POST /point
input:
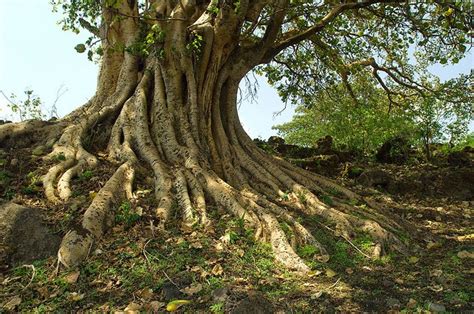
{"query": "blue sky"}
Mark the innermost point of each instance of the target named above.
(35, 53)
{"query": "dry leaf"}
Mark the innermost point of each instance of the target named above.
(155, 305)
(133, 308)
(145, 293)
(433, 245)
(413, 260)
(465, 254)
(317, 295)
(314, 273)
(192, 289)
(330, 273)
(74, 296)
(217, 270)
(12, 303)
(411, 303)
(72, 277)
(349, 270)
(323, 258)
(196, 245)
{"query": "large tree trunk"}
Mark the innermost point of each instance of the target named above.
(175, 112)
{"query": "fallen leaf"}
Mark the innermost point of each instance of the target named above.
(436, 273)
(413, 260)
(314, 273)
(74, 296)
(411, 303)
(330, 273)
(399, 281)
(465, 254)
(433, 245)
(192, 289)
(43, 291)
(196, 245)
(72, 277)
(155, 305)
(317, 295)
(133, 308)
(217, 270)
(349, 270)
(12, 303)
(176, 304)
(225, 238)
(145, 293)
(323, 258)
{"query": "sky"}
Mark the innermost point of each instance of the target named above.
(36, 54)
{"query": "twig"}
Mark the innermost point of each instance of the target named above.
(348, 241)
(171, 280)
(333, 285)
(32, 275)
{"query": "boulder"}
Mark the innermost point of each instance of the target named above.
(325, 145)
(24, 237)
(375, 178)
(395, 150)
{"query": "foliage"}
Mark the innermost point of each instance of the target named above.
(364, 125)
(27, 108)
(126, 215)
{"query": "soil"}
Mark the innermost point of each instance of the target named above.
(221, 269)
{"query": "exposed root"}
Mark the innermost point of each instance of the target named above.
(197, 163)
(76, 244)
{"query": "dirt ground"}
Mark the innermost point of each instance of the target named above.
(222, 269)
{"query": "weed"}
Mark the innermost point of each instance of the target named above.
(307, 251)
(86, 175)
(126, 215)
(217, 308)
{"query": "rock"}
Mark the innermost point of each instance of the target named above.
(324, 145)
(254, 303)
(14, 162)
(375, 178)
(436, 308)
(395, 150)
(24, 237)
(170, 292)
(393, 304)
(220, 294)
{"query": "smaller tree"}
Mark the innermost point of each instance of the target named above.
(25, 109)
(361, 126)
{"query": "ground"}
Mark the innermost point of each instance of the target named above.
(222, 269)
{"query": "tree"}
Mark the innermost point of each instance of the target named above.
(371, 124)
(166, 101)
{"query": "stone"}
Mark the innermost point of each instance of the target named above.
(220, 294)
(24, 237)
(14, 162)
(170, 292)
(436, 308)
(375, 178)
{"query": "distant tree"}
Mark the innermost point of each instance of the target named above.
(166, 101)
(362, 126)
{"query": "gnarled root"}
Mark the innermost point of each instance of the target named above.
(197, 164)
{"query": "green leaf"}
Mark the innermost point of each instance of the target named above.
(80, 48)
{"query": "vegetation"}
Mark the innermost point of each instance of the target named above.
(164, 118)
(420, 120)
